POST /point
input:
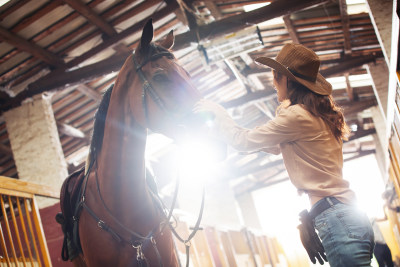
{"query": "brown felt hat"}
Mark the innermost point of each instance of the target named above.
(300, 64)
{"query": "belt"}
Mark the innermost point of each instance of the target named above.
(323, 205)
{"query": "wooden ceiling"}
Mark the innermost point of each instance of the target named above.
(72, 50)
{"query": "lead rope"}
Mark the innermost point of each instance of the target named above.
(186, 242)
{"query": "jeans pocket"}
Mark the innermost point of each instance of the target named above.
(319, 223)
(355, 222)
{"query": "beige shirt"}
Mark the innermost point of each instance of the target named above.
(312, 155)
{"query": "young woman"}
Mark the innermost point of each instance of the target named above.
(308, 130)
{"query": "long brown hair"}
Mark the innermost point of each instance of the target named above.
(322, 106)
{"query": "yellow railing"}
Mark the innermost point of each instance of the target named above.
(22, 239)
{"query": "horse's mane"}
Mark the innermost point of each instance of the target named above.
(99, 124)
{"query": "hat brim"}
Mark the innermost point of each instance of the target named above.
(321, 86)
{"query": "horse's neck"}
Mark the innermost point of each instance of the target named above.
(121, 162)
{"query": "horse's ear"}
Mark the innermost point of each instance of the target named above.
(147, 36)
(168, 42)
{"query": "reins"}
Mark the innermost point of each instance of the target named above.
(138, 241)
(148, 87)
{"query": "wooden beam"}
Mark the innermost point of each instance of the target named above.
(137, 27)
(249, 98)
(78, 76)
(361, 133)
(348, 64)
(94, 18)
(349, 89)
(234, 23)
(70, 130)
(291, 29)
(34, 15)
(63, 80)
(5, 150)
(90, 92)
(346, 26)
(31, 48)
(358, 106)
(214, 10)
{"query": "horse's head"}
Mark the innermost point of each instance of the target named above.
(166, 94)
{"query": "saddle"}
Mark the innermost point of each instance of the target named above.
(69, 200)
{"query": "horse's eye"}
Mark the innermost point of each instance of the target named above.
(160, 77)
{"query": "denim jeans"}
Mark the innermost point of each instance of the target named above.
(346, 235)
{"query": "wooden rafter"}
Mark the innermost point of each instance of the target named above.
(214, 10)
(5, 150)
(361, 133)
(291, 29)
(94, 18)
(71, 131)
(89, 92)
(137, 27)
(358, 106)
(90, 72)
(349, 89)
(348, 64)
(346, 26)
(234, 23)
(249, 98)
(32, 48)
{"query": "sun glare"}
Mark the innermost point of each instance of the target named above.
(196, 160)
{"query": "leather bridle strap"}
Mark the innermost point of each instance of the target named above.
(146, 85)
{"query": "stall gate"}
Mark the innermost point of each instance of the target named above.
(22, 239)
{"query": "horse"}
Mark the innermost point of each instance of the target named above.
(118, 219)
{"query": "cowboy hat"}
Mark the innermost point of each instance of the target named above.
(300, 64)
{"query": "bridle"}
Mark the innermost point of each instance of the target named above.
(138, 241)
(146, 85)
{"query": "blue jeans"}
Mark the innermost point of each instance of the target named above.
(346, 235)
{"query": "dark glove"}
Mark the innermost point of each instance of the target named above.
(310, 239)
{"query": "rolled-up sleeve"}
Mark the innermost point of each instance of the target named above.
(283, 128)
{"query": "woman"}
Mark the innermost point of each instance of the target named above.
(308, 130)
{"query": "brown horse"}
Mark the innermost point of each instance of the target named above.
(120, 223)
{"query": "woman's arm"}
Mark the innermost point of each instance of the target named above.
(283, 128)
